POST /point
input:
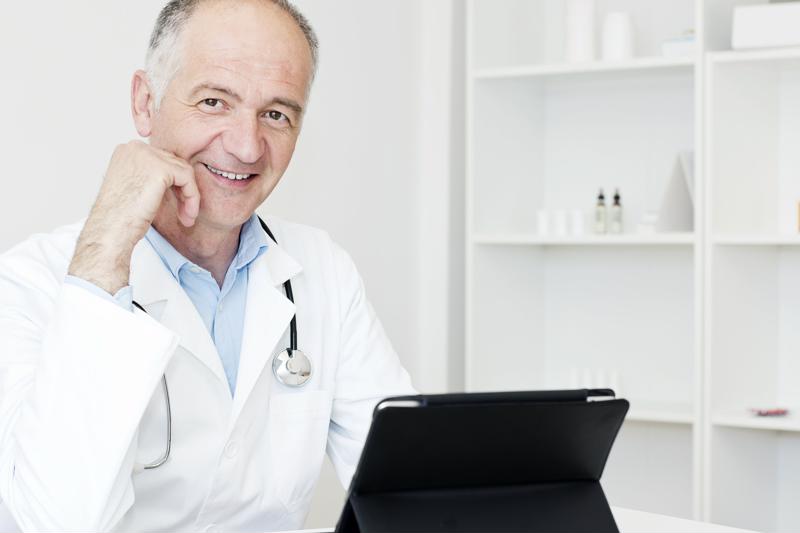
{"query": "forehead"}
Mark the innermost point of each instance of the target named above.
(246, 42)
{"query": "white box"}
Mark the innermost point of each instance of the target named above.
(684, 46)
(766, 25)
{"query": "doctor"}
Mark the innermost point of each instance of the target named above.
(137, 388)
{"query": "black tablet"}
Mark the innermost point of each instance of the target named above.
(510, 461)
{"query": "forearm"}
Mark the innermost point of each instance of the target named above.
(103, 257)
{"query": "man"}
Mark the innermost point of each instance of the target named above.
(137, 348)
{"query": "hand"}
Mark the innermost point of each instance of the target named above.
(137, 178)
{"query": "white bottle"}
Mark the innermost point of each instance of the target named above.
(617, 37)
(600, 214)
(615, 224)
(579, 31)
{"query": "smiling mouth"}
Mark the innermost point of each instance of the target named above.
(228, 175)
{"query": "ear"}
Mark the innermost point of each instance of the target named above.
(143, 103)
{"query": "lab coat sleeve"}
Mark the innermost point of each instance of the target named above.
(123, 297)
(369, 370)
(76, 374)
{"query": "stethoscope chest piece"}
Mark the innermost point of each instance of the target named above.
(292, 368)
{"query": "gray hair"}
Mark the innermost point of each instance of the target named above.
(163, 56)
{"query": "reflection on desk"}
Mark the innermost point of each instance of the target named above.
(631, 521)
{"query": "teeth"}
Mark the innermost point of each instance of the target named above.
(228, 175)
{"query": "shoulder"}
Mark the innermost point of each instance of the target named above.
(315, 250)
(305, 242)
(290, 234)
(32, 273)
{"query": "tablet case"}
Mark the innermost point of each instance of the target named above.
(517, 461)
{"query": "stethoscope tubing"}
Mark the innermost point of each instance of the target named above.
(287, 285)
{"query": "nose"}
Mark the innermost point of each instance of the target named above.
(243, 140)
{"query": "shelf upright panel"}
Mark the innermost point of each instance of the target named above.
(700, 438)
(469, 193)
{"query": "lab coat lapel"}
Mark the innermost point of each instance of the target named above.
(267, 317)
(155, 289)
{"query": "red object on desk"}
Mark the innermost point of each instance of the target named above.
(770, 412)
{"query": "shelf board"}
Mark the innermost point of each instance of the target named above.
(595, 67)
(754, 56)
(524, 239)
(659, 416)
(757, 240)
(789, 423)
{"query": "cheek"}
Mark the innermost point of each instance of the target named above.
(185, 135)
(194, 136)
(280, 147)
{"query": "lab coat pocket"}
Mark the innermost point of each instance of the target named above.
(298, 435)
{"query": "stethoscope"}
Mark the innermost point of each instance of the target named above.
(291, 367)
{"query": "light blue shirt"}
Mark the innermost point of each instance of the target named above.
(221, 308)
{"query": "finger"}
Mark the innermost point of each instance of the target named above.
(185, 217)
(189, 194)
(189, 211)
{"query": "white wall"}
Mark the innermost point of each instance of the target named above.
(372, 165)
(376, 165)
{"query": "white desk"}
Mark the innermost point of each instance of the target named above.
(630, 521)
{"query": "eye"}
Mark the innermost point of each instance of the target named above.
(277, 116)
(212, 103)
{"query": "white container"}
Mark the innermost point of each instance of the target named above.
(543, 222)
(682, 46)
(579, 31)
(617, 37)
(766, 25)
(560, 223)
(577, 221)
(647, 226)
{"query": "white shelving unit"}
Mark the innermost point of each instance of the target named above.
(693, 328)
(753, 342)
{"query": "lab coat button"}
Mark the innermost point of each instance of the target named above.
(231, 449)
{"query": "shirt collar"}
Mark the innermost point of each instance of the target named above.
(171, 258)
(252, 243)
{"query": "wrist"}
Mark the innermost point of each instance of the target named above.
(102, 261)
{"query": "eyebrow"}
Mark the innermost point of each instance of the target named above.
(210, 87)
(291, 104)
(286, 102)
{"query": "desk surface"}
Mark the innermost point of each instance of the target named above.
(629, 520)
(632, 521)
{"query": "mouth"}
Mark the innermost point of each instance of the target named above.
(230, 176)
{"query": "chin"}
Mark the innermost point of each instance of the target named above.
(224, 220)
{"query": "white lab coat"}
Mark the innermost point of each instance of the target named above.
(81, 403)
